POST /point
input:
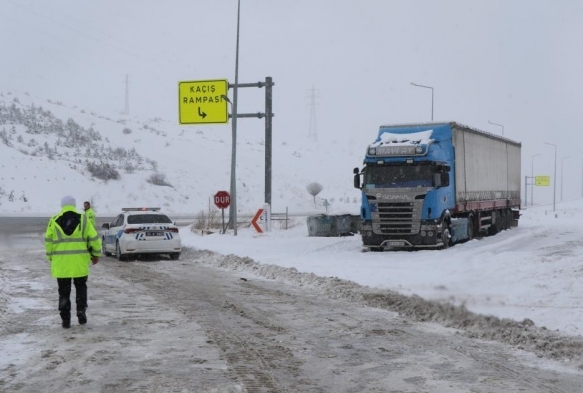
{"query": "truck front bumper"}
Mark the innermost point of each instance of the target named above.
(429, 236)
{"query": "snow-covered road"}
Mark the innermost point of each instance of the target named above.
(216, 323)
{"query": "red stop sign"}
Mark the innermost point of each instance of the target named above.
(222, 199)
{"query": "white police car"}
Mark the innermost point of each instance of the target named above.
(141, 231)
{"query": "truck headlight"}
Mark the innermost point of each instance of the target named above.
(372, 151)
(418, 150)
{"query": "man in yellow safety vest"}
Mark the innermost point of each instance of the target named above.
(71, 243)
(89, 212)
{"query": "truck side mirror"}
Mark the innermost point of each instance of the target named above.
(106, 226)
(437, 180)
(356, 172)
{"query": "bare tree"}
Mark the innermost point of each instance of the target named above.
(314, 189)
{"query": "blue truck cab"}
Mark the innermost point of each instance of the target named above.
(407, 187)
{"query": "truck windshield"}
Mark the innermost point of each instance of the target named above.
(397, 176)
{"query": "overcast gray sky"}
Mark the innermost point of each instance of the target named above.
(515, 63)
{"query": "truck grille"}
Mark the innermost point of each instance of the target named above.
(394, 218)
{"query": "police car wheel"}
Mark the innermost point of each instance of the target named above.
(103, 250)
(118, 254)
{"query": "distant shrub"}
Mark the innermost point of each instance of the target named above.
(120, 152)
(153, 164)
(127, 131)
(314, 189)
(158, 179)
(206, 222)
(103, 171)
(129, 168)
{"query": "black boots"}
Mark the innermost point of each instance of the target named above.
(66, 318)
(81, 317)
(80, 298)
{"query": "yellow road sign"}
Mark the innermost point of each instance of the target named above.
(542, 180)
(202, 102)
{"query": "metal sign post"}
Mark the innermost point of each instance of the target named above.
(268, 84)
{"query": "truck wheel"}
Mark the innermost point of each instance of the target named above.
(504, 220)
(494, 223)
(507, 219)
(377, 249)
(471, 227)
(445, 239)
(445, 233)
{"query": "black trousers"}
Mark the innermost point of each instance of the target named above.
(65, 295)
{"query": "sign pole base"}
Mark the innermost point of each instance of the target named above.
(223, 226)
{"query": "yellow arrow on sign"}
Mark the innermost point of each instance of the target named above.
(202, 102)
(542, 180)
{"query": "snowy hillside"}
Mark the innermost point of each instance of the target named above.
(192, 161)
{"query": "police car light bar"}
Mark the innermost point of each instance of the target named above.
(137, 209)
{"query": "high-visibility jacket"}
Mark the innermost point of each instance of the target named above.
(90, 213)
(71, 244)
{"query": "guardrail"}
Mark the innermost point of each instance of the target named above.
(281, 217)
(14, 224)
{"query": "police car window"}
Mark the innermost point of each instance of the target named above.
(149, 219)
(118, 221)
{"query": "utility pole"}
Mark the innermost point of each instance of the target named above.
(555, 176)
(427, 87)
(233, 188)
(268, 137)
(532, 176)
(499, 125)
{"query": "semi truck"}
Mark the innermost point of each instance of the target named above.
(432, 185)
